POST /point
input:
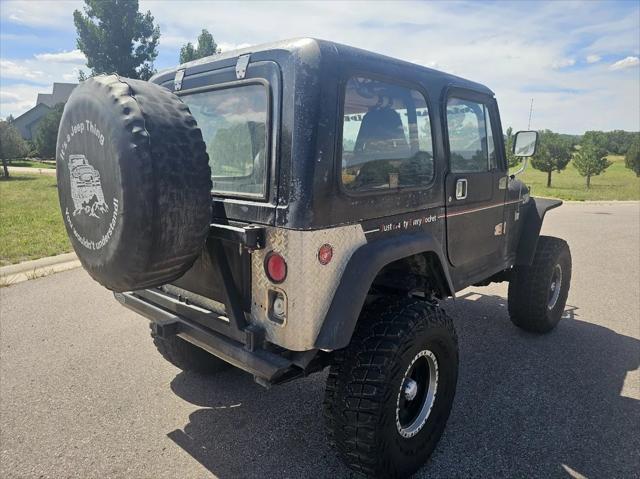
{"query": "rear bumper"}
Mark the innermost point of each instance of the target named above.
(265, 366)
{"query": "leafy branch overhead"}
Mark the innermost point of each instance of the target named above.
(207, 46)
(117, 38)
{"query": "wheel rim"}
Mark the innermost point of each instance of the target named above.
(417, 394)
(555, 286)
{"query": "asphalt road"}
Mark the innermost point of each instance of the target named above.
(84, 394)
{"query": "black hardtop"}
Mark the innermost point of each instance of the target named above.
(307, 78)
(308, 50)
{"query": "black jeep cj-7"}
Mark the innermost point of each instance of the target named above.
(304, 204)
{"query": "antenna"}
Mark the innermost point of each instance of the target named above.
(530, 113)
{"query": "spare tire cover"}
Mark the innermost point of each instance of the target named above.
(134, 182)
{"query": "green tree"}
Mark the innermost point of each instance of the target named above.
(207, 46)
(116, 38)
(632, 157)
(11, 145)
(554, 154)
(596, 138)
(590, 160)
(47, 132)
(616, 142)
(512, 159)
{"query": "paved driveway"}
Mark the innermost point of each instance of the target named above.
(83, 393)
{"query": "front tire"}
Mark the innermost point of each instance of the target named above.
(538, 293)
(389, 393)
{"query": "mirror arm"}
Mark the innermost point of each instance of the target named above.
(522, 168)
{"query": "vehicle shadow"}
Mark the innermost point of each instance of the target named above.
(526, 406)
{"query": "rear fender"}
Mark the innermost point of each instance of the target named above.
(361, 270)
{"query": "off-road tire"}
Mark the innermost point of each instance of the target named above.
(134, 182)
(529, 287)
(184, 355)
(365, 379)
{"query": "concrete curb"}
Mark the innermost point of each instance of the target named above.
(17, 273)
(601, 202)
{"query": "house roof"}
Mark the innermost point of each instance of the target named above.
(32, 114)
(44, 98)
(60, 94)
(26, 122)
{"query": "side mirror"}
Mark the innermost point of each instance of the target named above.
(525, 143)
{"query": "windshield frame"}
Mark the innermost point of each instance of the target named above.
(268, 135)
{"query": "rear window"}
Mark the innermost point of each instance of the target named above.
(234, 128)
(386, 137)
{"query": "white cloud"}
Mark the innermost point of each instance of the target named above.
(225, 47)
(8, 97)
(56, 14)
(517, 57)
(17, 98)
(42, 69)
(563, 63)
(176, 42)
(173, 41)
(19, 70)
(625, 63)
(24, 78)
(74, 56)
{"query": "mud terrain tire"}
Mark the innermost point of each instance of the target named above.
(365, 392)
(134, 182)
(538, 293)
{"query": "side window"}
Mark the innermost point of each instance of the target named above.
(471, 144)
(386, 137)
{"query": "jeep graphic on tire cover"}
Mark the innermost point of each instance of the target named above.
(134, 182)
(86, 190)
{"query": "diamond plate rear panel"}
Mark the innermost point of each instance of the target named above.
(309, 286)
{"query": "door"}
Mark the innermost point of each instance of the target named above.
(475, 184)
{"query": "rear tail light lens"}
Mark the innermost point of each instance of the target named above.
(325, 253)
(276, 267)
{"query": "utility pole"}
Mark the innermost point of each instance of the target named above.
(530, 113)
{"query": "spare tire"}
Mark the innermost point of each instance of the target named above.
(134, 182)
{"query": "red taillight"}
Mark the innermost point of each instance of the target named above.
(275, 267)
(325, 253)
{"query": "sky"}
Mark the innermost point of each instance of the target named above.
(578, 60)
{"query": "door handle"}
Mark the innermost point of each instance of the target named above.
(461, 189)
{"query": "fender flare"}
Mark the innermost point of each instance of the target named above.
(532, 224)
(360, 272)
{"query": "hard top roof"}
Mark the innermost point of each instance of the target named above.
(313, 46)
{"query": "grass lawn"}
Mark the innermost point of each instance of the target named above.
(30, 221)
(616, 183)
(33, 164)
